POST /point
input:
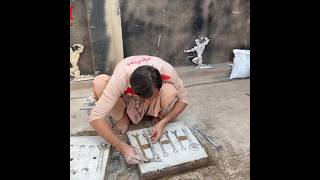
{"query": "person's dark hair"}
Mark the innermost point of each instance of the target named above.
(144, 79)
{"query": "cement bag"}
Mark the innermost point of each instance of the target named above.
(241, 64)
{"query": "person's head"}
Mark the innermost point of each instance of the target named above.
(146, 82)
(197, 42)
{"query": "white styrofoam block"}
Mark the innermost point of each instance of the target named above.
(241, 64)
(172, 159)
(84, 153)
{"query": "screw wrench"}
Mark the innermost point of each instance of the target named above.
(211, 141)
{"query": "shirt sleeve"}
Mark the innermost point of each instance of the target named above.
(178, 84)
(110, 95)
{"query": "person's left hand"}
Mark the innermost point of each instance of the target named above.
(157, 131)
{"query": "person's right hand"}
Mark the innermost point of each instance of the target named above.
(132, 155)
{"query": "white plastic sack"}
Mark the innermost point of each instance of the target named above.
(241, 64)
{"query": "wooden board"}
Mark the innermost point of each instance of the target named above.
(174, 162)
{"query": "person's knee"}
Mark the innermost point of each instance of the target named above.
(99, 84)
(168, 95)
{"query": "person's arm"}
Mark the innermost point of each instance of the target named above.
(190, 50)
(131, 155)
(177, 109)
(105, 103)
(157, 129)
(104, 130)
(103, 107)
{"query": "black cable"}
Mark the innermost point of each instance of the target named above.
(211, 82)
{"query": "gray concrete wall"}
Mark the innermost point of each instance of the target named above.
(162, 28)
(165, 28)
(106, 33)
(79, 34)
(97, 25)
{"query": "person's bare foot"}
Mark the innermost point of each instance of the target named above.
(122, 125)
(155, 120)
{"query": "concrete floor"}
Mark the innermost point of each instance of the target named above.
(222, 109)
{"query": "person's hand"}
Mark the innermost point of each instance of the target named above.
(157, 131)
(132, 155)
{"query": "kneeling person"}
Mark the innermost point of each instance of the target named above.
(139, 86)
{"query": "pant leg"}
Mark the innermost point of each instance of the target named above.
(118, 109)
(98, 85)
(163, 104)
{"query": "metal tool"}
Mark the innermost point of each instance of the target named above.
(183, 148)
(211, 141)
(146, 134)
(136, 136)
(192, 145)
(175, 150)
(196, 134)
(165, 154)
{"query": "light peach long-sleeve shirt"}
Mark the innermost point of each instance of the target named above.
(119, 82)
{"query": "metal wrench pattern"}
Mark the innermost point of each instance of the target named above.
(136, 136)
(183, 148)
(146, 134)
(192, 145)
(166, 133)
(165, 154)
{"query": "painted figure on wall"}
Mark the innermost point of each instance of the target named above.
(199, 48)
(74, 58)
